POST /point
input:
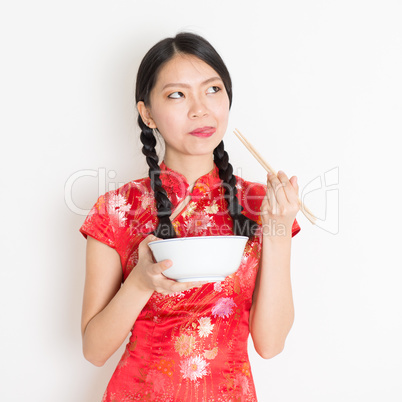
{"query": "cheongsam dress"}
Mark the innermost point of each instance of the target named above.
(192, 345)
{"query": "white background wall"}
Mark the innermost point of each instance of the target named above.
(317, 88)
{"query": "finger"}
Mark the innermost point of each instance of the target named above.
(168, 286)
(269, 200)
(290, 192)
(293, 182)
(289, 189)
(265, 205)
(276, 194)
(158, 267)
(182, 286)
(285, 188)
(295, 185)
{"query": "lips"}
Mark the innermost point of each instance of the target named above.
(203, 131)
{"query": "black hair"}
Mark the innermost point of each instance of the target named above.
(155, 58)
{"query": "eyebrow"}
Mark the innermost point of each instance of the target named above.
(178, 84)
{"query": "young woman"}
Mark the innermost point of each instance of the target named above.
(188, 340)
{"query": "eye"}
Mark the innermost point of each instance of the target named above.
(213, 89)
(176, 95)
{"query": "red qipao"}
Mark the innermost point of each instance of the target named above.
(192, 345)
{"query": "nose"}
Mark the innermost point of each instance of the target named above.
(197, 108)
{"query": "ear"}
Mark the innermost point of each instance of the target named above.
(145, 114)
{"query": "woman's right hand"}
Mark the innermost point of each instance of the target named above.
(148, 274)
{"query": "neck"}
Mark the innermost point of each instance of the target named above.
(192, 167)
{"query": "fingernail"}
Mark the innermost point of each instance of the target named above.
(280, 171)
(167, 264)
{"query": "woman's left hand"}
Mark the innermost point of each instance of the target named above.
(280, 205)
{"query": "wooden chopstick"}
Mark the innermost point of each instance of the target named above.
(255, 153)
(307, 213)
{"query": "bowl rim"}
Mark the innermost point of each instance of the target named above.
(175, 239)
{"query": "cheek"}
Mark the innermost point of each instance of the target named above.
(171, 121)
(222, 112)
(165, 118)
(221, 108)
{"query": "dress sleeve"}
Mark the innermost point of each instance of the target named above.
(98, 223)
(295, 228)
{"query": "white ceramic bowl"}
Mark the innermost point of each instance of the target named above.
(200, 258)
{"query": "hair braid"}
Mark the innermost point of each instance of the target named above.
(242, 225)
(165, 229)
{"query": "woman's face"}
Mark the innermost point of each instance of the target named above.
(190, 107)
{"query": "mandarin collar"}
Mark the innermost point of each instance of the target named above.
(176, 183)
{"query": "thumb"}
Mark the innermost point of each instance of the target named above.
(293, 182)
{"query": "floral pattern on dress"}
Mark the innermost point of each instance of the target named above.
(205, 327)
(191, 345)
(184, 344)
(223, 307)
(117, 208)
(211, 354)
(194, 368)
